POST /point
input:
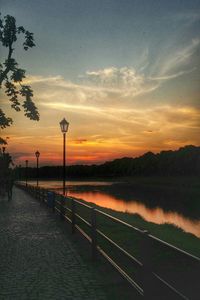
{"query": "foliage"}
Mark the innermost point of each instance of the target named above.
(182, 162)
(11, 75)
(4, 121)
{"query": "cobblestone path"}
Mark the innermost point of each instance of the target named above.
(37, 258)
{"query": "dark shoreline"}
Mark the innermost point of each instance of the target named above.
(169, 200)
(179, 194)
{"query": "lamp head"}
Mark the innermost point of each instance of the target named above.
(64, 126)
(37, 154)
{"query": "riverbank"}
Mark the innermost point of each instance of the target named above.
(179, 195)
(167, 232)
(152, 198)
(170, 263)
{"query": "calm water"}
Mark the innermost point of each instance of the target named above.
(92, 193)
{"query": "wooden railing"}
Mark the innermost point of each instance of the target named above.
(149, 284)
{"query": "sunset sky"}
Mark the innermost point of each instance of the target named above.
(125, 74)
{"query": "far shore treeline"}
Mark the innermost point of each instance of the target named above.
(182, 162)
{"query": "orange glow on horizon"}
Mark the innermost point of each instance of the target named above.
(102, 138)
(76, 153)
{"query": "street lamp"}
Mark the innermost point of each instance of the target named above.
(64, 128)
(37, 154)
(26, 171)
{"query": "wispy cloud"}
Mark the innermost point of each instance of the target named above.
(115, 77)
(113, 84)
(180, 58)
(172, 76)
(109, 94)
(174, 64)
(126, 81)
(41, 79)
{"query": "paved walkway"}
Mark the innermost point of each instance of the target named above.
(37, 258)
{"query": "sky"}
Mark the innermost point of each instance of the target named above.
(124, 73)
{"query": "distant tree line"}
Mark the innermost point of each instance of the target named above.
(182, 162)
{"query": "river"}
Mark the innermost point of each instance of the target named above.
(100, 193)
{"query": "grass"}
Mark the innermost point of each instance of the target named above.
(166, 232)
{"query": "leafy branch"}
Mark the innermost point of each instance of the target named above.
(11, 76)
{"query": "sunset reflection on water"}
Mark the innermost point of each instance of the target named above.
(156, 215)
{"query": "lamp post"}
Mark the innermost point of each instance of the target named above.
(64, 128)
(37, 154)
(26, 171)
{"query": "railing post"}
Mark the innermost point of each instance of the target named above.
(73, 219)
(94, 233)
(147, 275)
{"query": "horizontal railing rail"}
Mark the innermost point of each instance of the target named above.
(149, 276)
(174, 248)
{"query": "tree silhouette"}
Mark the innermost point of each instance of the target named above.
(182, 162)
(11, 75)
